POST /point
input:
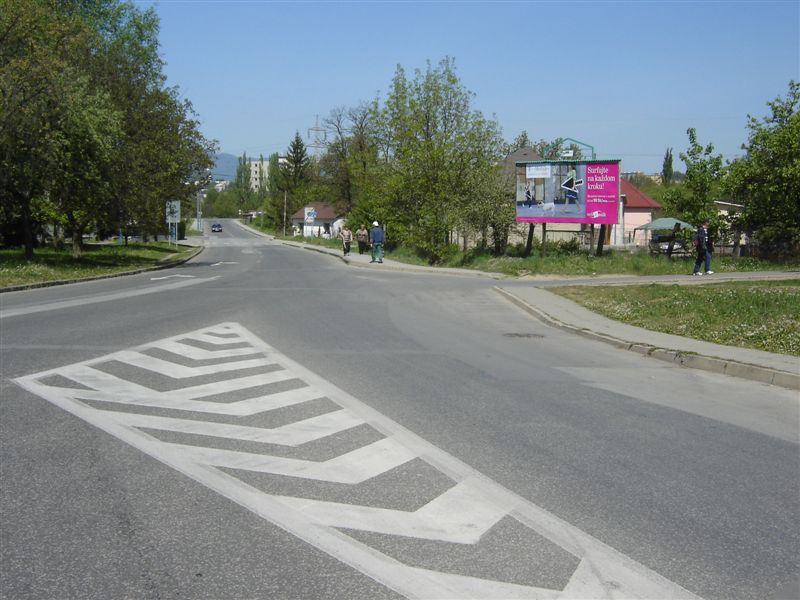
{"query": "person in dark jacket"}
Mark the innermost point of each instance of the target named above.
(703, 249)
(376, 238)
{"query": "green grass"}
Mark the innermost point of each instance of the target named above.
(49, 264)
(572, 263)
(764, 315)
(611, 263)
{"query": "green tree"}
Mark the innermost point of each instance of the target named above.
(81, 190)
(35, 74)
(81, 76)
(694, 200)
(241, 182)
(521, 141)
(296, 166)
(436, 147)
(767, 179)
(666, 168)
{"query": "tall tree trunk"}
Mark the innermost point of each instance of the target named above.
(77, 241)
(27, 227)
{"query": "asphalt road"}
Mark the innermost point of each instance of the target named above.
(267, 422)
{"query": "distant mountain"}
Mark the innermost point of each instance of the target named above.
(225, 166)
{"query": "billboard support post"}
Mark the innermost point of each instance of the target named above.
(601, 239)
(543, 252)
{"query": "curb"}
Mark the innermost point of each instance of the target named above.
(396, 266)
(722, 366)
(43, 284)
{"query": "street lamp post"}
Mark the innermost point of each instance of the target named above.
(199, 199)
(199, 224)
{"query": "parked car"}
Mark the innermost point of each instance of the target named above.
(659, 243)
(216, 228)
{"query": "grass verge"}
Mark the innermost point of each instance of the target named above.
(764, 315)
(559, 262)
(49, 264)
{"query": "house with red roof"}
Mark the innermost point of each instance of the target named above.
(638, 209)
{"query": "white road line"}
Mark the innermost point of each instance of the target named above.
(83, 301)
(460, 515)
(195, 353)
(216, 339)
(107, 384)
(354, 467)
(242, 408)
(178, 371)
(171, 277)
(292, 434)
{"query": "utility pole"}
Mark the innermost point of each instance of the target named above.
(284, 213)
(318, 141)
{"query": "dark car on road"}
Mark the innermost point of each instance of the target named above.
(216, 228)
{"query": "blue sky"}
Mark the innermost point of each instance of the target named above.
(626, 77)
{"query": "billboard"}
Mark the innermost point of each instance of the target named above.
(567, 191)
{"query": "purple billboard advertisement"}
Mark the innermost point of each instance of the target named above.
(567, 191)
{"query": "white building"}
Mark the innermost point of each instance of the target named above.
(259, 172)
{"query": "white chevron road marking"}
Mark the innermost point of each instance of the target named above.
(354, 467)
(460, 515)
(292, 434)
(177, 371)
(105, 383)
(195, 353)
(242, 408)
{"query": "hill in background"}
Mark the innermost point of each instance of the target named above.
(225, 166)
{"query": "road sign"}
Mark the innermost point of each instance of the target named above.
(173, 211)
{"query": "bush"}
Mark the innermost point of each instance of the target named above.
(777, 243)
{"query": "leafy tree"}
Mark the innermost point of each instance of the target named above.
(521, 141)
(694, 201)
(272, 207)
(241, 182)
(223, 204)
(335, 163)
(435, 147)
(81, 190)
(35, 73)
(84, 78)
(666, 168)
(767, 179)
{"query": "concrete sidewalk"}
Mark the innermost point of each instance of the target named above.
(757, 365)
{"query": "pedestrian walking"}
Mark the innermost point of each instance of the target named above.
(362, 235)
(702, 243)
(376, 238)
(347, 238)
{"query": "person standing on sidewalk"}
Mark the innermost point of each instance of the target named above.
(347, 238)
(700, 238)
(362, 235)
(376, 238)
